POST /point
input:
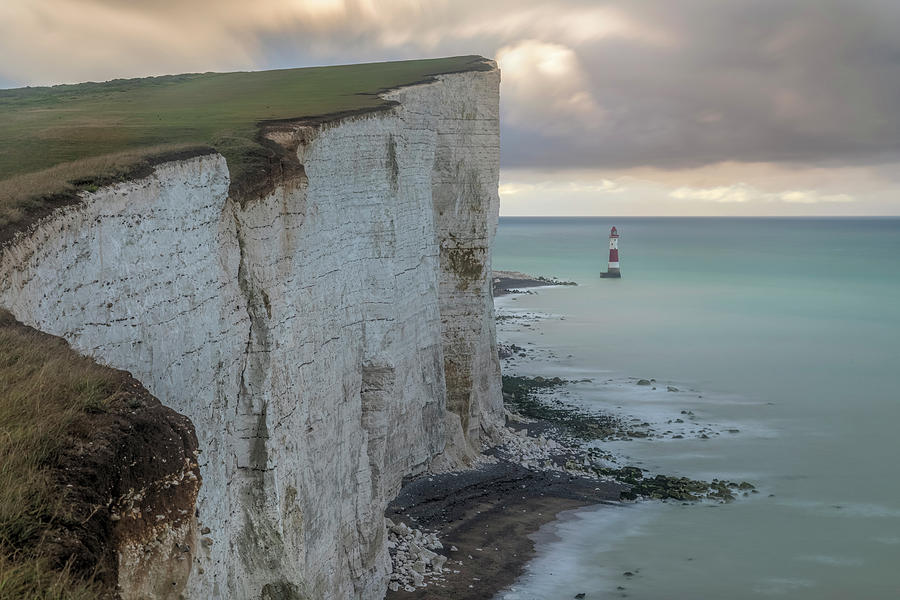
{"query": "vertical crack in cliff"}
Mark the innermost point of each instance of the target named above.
(376, 390)
(393, 165)
(244, 287)
(259, 544)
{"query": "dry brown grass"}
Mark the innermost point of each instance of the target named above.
(44, 388)
(25, 194)
(34, 579)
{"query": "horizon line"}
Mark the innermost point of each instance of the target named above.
(700, 216)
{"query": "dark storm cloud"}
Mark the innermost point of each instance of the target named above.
(812, 82)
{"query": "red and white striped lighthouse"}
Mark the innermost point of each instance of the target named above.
(613, 270)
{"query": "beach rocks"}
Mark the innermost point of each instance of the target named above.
(526, 396)
(509, 282)
(664, 487)
(529, 399)
(505, 351)
(414, 561)
(531, 452)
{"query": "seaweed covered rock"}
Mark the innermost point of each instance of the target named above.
(523, 395)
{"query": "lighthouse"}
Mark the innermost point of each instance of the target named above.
(613, 271)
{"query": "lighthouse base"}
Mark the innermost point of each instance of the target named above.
(611, 274)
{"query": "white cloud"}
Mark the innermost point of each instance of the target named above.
(405, 22)
(741, 192)
(511, 189)
(603, 185)
(547, 88)
(572, 185)
(645, 192)
(813, 197)
(724, 194)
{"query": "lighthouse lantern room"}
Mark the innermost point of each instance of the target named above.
(613, 270)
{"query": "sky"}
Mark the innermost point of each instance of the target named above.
(628, 107)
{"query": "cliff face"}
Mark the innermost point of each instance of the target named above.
(326, 340)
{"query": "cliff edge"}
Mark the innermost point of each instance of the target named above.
(328, 334)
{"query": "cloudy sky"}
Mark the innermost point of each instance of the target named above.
(630, 107)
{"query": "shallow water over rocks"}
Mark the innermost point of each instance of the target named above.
(769, 346)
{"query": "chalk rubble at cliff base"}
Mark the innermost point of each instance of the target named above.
(413, 558)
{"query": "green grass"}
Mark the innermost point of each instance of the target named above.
(52, 137)
(46, 389)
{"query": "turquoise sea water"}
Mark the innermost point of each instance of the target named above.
(785, 330)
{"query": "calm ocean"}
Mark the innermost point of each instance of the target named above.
(783, 338)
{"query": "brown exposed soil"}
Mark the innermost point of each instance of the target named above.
(138, 445)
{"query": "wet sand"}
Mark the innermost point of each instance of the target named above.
(488, 514)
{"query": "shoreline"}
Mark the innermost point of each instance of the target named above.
(468, 535)
(489, 515)
(485, 517)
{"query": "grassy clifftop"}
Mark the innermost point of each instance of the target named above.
(57, 140)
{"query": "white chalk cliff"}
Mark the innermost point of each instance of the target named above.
(326, 340)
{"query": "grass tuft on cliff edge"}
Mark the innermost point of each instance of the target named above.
(56, 141)
(45, 387)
